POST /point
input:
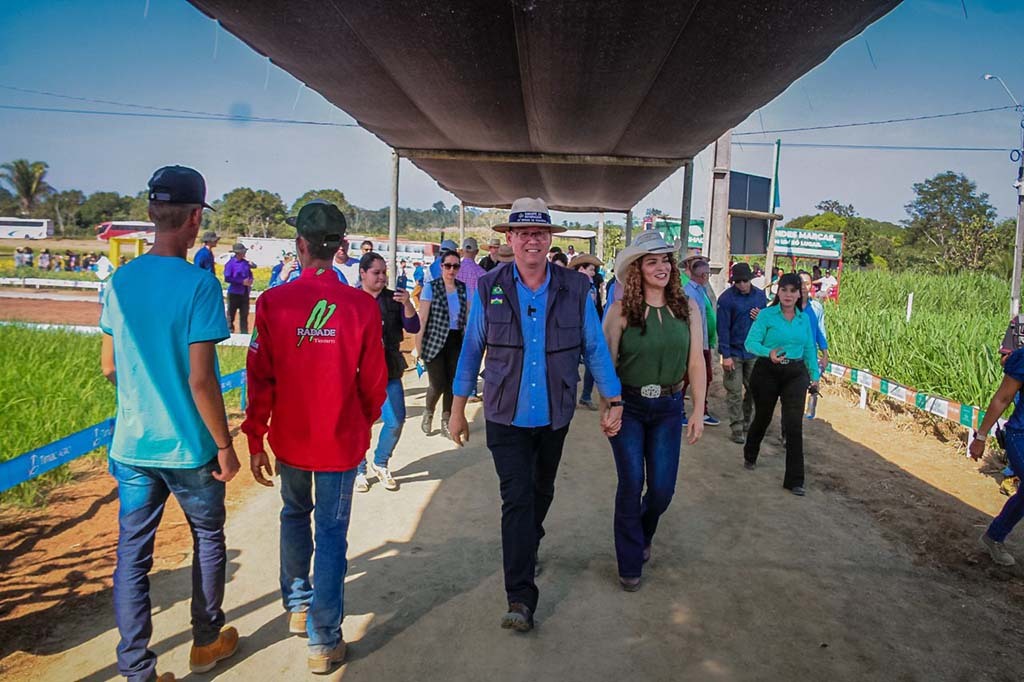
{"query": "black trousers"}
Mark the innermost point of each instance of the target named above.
(526, 460)
(441, 372)
(239, 303)
(768, 383)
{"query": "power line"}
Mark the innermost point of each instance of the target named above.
(185, 117)
(927, 117)
(131, 105)
(875, 147)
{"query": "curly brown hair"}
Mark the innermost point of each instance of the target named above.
(633, 294)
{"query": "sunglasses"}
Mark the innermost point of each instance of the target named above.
(451, 266)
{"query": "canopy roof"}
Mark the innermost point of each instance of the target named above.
(650, 83)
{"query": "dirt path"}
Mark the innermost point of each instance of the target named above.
(51, 312)
(874, 575)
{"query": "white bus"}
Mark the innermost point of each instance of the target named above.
(25, 228)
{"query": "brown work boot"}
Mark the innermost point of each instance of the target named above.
(297, 623)
(203, 658)
(321, 663)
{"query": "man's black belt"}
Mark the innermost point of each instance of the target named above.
(652, 390)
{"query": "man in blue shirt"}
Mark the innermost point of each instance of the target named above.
(534, 321)
(203, 258)
(737, 307)
(171, 435)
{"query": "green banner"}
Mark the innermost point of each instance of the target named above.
(808, 243)
(669, 228)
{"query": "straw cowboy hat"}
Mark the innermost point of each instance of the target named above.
(585, 259)
(648, 241)
(505, 254)
(527, 212)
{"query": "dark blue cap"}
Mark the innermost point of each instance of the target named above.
(178, 185)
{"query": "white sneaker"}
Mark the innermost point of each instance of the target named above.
(997, 551)
(362, 485)
(384, 476)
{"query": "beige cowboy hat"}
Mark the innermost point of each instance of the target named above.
(527, 212)
(648, 241)
(585, 259)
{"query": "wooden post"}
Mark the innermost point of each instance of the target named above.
(600, 236)
(628, 236)
(685, 210)
(717, 222)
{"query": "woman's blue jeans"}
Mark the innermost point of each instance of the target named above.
(393, 416)
(647, 446)
(1013, 510)
(324, 598)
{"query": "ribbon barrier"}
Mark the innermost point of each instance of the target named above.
(36, 462)
(968, 416)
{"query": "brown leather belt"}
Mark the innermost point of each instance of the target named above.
(652, 390)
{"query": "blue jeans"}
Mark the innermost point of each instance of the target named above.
(393, 415)
(1013, 510)
(650, 439)
(142, 493)
(324, 600)
(588, 385)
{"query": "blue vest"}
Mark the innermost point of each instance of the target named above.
(503, 335)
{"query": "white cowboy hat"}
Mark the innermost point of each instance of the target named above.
(648, 241)
(527, 212)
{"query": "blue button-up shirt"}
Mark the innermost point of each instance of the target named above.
(532, 408)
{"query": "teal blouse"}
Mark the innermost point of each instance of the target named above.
(796, 337)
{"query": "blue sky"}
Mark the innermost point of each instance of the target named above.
(927, 59)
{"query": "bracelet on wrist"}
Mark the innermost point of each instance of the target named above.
(219, 448)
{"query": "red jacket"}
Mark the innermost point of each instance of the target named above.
(316, 372)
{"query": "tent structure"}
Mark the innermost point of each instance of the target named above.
(587, 103)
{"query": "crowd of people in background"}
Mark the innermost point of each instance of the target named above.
(66, 261)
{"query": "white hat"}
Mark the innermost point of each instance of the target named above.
(648, 241)
(527, 212)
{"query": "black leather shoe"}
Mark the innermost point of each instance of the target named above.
(518, 618)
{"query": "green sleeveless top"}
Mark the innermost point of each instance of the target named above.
(658, 357)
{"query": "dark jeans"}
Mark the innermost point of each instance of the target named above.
(441, 372)
(142, 493)
(709, 376)
(650, 439)
(324, 597)
(1013, 510)
(770, 382)
(238, 303)
(526, 460)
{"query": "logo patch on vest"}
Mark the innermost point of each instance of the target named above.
(497, 295)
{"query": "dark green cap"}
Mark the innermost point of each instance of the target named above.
(321, 223)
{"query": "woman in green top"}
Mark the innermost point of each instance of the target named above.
(787, 362)
(649, 335)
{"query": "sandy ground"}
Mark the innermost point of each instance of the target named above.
(85, 312)
(875, 575)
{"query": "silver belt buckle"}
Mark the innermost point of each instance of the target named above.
(651, 391)
(784, 361)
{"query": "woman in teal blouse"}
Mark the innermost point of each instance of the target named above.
(787, 363)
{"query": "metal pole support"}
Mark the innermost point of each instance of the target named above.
(393, 224)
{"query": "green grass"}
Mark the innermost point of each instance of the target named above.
(949, 347)
(50, 387)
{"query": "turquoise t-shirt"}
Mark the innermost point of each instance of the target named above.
(154, 308)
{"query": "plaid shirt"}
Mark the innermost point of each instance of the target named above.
(469, 273)
(439, 320)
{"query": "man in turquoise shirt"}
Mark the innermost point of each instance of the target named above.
(162, 319)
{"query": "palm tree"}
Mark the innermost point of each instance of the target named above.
(27, 179)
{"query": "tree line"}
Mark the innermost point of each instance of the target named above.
(950, 226)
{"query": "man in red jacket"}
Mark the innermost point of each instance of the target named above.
(317, 375)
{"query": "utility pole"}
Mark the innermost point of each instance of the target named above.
(1018, 249)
